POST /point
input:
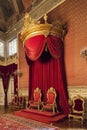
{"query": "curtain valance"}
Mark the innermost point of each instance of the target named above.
(34, 46)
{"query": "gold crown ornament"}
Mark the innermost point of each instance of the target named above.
(33, 27)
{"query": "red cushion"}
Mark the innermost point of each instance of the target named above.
(37, 97)
(78, 105)
(16, 99)
(51, 97)
(21, 99)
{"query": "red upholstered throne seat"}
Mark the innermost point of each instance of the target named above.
(51, 101)
(77, 108)
(36, 102)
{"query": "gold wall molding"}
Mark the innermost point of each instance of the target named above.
(77, 90)
(23, 91)
(9, 60)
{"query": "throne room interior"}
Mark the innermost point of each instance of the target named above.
(61, 65)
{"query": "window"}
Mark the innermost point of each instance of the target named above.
(2, 49)
(12, 47)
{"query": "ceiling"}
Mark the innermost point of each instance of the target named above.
(11, 11)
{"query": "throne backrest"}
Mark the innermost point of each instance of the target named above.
(37, 95)
(51, 95)
(16, 98)
(78, 104)
(21, 99)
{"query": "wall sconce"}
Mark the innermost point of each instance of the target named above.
(83, 52)
(18, 73)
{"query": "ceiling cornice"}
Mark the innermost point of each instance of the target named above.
(37, 12)
(2, 36)
(45, 7)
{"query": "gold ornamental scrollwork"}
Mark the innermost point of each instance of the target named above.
(33, 27)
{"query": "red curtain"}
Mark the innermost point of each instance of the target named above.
(48, 68)
(5, 73)
(5, 79)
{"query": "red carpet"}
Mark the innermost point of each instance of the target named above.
(6, 124)
(44, 116)
(12, 122)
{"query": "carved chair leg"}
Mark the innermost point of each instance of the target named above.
(38, 107)
(53, 109)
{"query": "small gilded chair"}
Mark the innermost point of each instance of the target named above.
(14, 104)
(21, 101)
(51, 104)
(77, 111)
(36, 102)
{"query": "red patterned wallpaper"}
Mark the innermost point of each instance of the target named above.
(23, 81)
(74, 12)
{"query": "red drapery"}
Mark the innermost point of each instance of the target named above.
(47, 67)
(5, 73)
(34, 47)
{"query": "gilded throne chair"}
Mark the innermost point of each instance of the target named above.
(51, 104)
(77, 110)
(36, 102)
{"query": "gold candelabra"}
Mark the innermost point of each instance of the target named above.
(83, 52)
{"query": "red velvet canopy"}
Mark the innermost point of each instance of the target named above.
(35, 46)
(48, 72)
